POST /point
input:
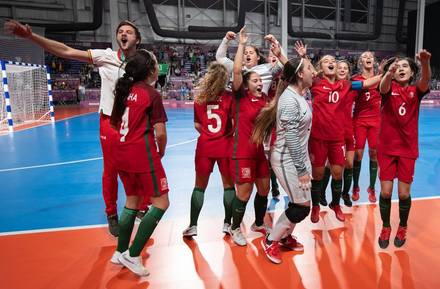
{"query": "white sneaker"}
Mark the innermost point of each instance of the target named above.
(133, 263)
(226, 229)
(115, 258)
(237, 237)
(263, 229)
(190, 231)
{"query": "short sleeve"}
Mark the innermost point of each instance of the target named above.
(158, 113)
(196, 113)
(99, 56)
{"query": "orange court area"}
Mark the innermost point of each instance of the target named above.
(335, 256)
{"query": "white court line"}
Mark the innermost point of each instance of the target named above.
(77, 161)
(105, 225)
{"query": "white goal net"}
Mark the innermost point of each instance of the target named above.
(27, 86)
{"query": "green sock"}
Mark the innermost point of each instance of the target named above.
(197, 197)
(404, 207)
(325, 181)
(238, 209)
(146, 228)
(356, 172)
(126, 224)
(385, 210)
(228, 197)
(373, 173)
(348, 176)
(316, 191)
(260, 207)
(336, 191)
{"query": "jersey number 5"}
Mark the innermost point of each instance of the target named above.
(124, 125)
(216, 117)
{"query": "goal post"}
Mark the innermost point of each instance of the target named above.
(26, 95)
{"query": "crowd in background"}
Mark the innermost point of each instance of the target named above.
(186, 65)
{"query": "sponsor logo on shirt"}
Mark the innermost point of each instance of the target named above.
(246, 173)
(163, 184)
(394, 93)
(326, 88)
(254, 99)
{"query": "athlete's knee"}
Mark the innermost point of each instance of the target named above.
(373, 154)
(296, 213)
(386, 194)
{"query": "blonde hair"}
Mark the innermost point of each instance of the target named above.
(359, 62)
(319, 64)
(348, 65)
(212, 84)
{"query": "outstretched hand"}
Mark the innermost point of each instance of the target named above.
(393, 66)
(13, 27)
(300, 48)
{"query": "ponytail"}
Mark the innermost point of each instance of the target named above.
(122, 90)
(138, 68)
(265, 121)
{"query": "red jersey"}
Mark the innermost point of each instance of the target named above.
(246, 110)
(399, 126)
(367, 102)
(348, 123)
(329, 105)
(216, 126)
(136, 148)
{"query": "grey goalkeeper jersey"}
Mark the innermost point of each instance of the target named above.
(293, 123)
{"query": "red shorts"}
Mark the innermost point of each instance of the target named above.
(151, 184)
(366, 130)
(349, 143)
(205, 165)
(391, 167)
(248, 170)
(321, 150)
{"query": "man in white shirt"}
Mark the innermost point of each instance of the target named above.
(111, 66)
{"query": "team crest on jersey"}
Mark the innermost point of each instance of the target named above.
(246, 173)
(411, 94)
(163, 184)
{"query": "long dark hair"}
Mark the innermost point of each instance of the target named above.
(265, 121)
(139, 67)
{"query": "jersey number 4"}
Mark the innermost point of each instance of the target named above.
(216, 117)
(124, 125)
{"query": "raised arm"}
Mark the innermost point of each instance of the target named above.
(238, 61)
(276, 48)
(57, 48)
(220, 55)
(371, 82)
(425, 59)
(385, 83)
